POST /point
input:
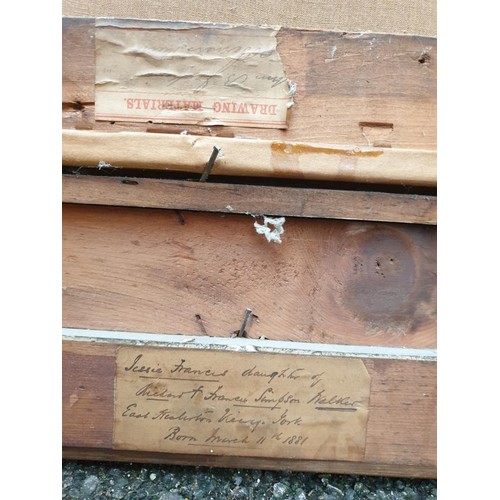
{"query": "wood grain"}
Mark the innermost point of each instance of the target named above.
(337, 467)
(330, 281)
(401, 433)
(345, 82)
(244, 199)
(78, 61)
(88, 398)
(243, 157)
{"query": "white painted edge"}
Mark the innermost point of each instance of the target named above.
(249, 345)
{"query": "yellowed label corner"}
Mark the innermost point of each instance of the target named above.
(203, 75)
(242, 404)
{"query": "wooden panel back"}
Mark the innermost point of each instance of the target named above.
(330, 281)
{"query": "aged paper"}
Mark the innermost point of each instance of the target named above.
(243, 404)
(190, 73)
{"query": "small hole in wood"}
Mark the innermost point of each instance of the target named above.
(180, 217)
(424, 58)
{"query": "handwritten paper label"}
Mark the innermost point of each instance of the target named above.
(244, 404)
(191, 74)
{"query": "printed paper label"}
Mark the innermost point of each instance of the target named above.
(190, 74)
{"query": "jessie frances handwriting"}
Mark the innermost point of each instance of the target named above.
(181, 367)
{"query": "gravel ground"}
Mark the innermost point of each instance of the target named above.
(85, 480)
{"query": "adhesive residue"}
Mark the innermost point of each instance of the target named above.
(290, 149)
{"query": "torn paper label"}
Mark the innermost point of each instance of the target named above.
(191, 74)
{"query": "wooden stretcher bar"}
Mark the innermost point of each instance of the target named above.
(242, 157)
(400, 437)
(359, 89)
(331, 281)
(245, 199)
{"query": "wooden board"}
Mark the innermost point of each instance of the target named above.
(356, 89)
(243, 157)
(400, 434)
(244, 199)
(329, 281)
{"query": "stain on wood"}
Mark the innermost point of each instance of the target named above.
(291, 149)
